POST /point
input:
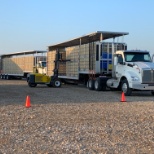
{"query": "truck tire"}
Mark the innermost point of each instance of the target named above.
(87, 85)
(98, 84)
(91, 84)
(3, 76)
(32, 84)
(7, 77)
(125, 88)
(56, 83)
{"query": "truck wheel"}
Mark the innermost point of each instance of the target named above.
(32, 84)
(98, 84)
(125, 88)
(91, 84)
(57, 83)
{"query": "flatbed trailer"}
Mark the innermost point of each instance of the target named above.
(85, 56)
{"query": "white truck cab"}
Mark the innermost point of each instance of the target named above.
(132, 69)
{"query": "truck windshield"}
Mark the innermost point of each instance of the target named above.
(136, 56)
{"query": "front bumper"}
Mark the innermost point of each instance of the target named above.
(140, 86)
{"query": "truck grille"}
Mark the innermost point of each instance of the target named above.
(148, 76)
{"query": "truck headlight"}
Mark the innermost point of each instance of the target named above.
(135, 78)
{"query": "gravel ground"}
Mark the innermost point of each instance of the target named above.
(72, 119)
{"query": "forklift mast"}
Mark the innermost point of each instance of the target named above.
(58, 59)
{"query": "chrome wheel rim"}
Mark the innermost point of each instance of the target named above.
(90, 83)
(57, 83)
(124, 87)
(96, 85)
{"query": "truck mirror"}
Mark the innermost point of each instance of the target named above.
(120, 59)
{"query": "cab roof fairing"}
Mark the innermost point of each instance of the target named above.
(139, 51)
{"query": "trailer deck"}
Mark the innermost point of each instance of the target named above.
(81, 54)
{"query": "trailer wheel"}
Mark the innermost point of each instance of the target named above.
(125, 88)
(3, 77)
(91, 84)
(98, 84)
(32, 84)
(7, 77)
(57, 83)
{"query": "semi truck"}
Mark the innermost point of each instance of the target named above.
(20, 64)
(100, 63)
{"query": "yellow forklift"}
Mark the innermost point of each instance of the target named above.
(51, 81)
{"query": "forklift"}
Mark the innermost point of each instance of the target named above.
(51, 81)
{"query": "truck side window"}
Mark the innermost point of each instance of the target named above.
(120, 59)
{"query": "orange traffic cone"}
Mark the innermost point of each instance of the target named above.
(123, 99)
(27, 102)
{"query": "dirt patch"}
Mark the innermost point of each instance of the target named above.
(72, 119)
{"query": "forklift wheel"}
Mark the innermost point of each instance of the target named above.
(57, 83)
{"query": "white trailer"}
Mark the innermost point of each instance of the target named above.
(20, 64)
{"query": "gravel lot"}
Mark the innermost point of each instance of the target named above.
(72, 119)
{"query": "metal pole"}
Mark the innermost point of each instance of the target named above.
(113, 50)
(101, 37)
(79, 56)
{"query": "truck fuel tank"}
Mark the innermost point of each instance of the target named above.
(112, 83)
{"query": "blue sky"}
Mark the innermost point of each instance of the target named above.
(35, 24)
